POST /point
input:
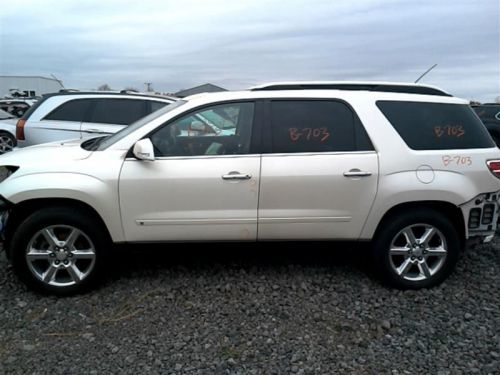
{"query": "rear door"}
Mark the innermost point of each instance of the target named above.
(62, 123)
(319, 173)
(109, 115)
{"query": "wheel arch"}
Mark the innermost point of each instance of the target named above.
(449, 209)
(22, 210)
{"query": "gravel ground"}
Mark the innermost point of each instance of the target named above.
(241, 309)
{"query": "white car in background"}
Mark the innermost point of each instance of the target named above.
(70, 115)
(7, 132)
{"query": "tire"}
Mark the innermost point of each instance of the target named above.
(406, 266)
(7, 142)
(59, 251)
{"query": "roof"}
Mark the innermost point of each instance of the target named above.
(396, 87)
(207, 87)
(350, 96)
(108, 93)
(40, 77)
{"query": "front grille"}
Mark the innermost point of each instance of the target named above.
(474, 218)
(488, 213)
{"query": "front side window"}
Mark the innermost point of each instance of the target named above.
(436, 126)
(118, 111)
(73, 110)
(315, 126)
(223, 129)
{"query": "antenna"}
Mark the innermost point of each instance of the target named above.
(57, 79)
(148, 86)
(427, 71)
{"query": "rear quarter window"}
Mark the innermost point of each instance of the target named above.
(436, 126)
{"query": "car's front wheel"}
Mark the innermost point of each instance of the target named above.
(417, 249)
(59, 251)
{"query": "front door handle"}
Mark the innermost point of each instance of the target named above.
(97, 131)
(232, 176)
(355, 172)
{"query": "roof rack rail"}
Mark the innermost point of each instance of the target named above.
(353, 86)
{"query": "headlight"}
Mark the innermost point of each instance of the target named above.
(6, 171)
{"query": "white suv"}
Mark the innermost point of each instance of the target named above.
(407, 167)
(63, 116)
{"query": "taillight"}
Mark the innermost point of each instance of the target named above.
(20, 129)
(494, 167)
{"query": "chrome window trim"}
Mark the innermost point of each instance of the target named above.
(284, 154)
(259, 155)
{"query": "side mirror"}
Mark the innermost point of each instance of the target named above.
(143, 150)
(197, 126)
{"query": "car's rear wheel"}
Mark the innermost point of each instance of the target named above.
(59, 251)
(7, 142)
(417, 249)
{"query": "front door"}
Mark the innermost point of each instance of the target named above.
(319, 175)
(203, 183)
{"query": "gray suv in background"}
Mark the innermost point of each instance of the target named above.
(489, 113)
(66, 116)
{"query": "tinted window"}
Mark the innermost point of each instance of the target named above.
(198, 133)
(436, 126)
(118, 111)
(118, 136)
(74, 110)
(157, 105)
(487, 113)
(315, 126)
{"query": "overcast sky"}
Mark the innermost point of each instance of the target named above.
(236, 44)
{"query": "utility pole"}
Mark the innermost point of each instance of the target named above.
(148, 86)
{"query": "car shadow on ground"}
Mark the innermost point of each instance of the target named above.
(266, 255)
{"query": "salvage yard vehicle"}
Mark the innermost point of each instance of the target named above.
(69, 115)
(407, 167)
(17, 106)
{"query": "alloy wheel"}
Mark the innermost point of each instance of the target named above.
(6, 144)
(61, 255)
(418, 252)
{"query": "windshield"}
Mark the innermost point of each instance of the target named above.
(108, 141)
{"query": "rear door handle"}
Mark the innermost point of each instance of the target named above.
(232, 176)
(355, 172)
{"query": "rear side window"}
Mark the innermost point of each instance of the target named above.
(74, 110)
(118, 111)
(436, 126)
(315, 126)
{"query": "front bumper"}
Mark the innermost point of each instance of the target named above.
(5, 207)
(4, 215)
